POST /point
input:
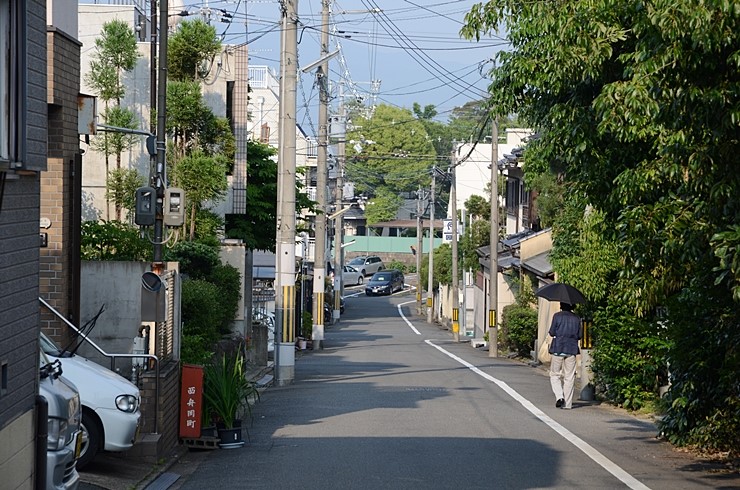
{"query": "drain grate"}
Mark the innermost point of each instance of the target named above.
(163, 481)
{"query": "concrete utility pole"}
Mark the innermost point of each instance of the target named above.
(285, 258)
(430, 288)
(493, 271)
(319, 266)
(455, 298)
(339, 220)
(160, 169)
(419, 247)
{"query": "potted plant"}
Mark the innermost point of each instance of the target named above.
(227, 393)
(306, 330)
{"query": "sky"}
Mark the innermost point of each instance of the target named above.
(411, 49)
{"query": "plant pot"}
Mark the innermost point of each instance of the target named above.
(209, 431)
(302, 344)
(230, 438)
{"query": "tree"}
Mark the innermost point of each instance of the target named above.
(203, 178)
(190, 48)
(122, 185)
(392, 151)
(257, 228)
(186, 113)
(115, 54)
(637, 110)
(383, 206)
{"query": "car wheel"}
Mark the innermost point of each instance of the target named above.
(92, 437)
(360, 280)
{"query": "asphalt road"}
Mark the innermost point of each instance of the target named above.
(392, 402)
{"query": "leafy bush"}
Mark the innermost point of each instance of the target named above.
(398, 265)
(196, 259)
(628, 357)
(201, 318)
(519, 328)
(227, 280)
(113, 240)
(703, 403)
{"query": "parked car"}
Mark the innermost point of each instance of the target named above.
(385, 282)
(367, 265)
(110, 403)
(63, 437)
(351, 276)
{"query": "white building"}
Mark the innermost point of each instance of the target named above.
(474, 174)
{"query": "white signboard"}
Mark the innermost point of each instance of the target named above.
(447, 231)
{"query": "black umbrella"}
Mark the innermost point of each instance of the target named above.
(558, 291)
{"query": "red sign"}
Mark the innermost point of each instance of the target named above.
(191, 400)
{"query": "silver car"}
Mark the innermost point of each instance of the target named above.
(367, 264)
(351, 276)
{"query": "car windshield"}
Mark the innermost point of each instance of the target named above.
(380, 276)
(49, 347)
(357, 261)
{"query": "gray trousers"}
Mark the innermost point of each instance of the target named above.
(563, 378)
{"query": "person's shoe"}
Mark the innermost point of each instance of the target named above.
(560, 403)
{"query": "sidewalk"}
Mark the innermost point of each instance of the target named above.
(112, 471)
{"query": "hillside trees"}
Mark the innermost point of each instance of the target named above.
(392, 152)
(637, 110)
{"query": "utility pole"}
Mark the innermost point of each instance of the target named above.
(430, 288)
(419, 248)
(493, 271)
(455, 298)
(339, 220)
(285, 258)
(153, 71)
(160, 170)
(319, 266)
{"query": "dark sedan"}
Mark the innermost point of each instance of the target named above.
(384, 282)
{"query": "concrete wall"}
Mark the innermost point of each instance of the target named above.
(235, 255)
(117, 285)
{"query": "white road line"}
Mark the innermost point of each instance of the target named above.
(585, 447)
(411, 326)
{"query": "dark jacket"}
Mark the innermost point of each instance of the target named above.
(566, 332)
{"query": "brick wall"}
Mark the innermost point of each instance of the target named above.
(59, 267)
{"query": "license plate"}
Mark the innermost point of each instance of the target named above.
(78, 445)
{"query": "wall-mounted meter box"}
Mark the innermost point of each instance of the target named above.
(174, 207)
(146, 206)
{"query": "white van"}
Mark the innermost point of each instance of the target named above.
(110, 403)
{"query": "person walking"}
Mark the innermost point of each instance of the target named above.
(566, 331)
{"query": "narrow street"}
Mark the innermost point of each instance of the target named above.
(392, 402)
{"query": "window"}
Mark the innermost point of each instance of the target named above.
(265, 133)
(12, 81)
(4, 79)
